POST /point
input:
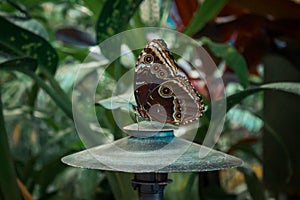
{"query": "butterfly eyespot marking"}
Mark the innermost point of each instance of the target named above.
(162, 74)
(165, 91)
(148, 59)
(155, 68)
(177, 116)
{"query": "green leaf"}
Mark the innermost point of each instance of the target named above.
(28, 66)
(87, 184)
(49, 171)
(8, 180)
(280, 86)
(95, 6)
(235, 99)
(205, 12)
(114, 17)
(23, 43)
(183, 186)
(233, 58)
(120, 183)
(255, 187)
(31, 25)
(54, 90)
(19, 63)
(247, 149)
(116, 102)
(283, 86)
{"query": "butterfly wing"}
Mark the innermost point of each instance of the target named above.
(173, 102)
(162, 90)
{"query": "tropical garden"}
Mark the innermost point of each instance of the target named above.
(254, 44)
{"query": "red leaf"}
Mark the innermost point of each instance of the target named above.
(279, 9)
(186, 10)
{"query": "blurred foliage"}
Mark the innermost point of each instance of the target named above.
(42, 44)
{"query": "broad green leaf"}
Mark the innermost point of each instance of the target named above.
(233, 58)
(205, 12)
(23, 43)
(19, 64)
(281, 86)
(32, 25)
(120, 183)
(255, 187)
(13, 6)
(114, 17)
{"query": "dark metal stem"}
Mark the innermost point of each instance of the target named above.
(150, 185)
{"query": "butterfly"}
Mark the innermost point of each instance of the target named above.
(162, 90)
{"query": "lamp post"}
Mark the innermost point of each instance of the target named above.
(151, 158)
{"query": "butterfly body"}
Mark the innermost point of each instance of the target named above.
(162, 90)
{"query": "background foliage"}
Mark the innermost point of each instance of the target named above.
(42, 43)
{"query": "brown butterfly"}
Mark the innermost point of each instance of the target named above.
(162, 90)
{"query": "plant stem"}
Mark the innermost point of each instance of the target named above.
(56, 86)
(63, 103)
(8, 181)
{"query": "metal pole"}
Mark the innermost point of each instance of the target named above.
(150, 185)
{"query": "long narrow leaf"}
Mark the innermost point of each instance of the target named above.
(237, 98)
(255, 186)
(233, 58)
(282, 86)
(206, 12)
